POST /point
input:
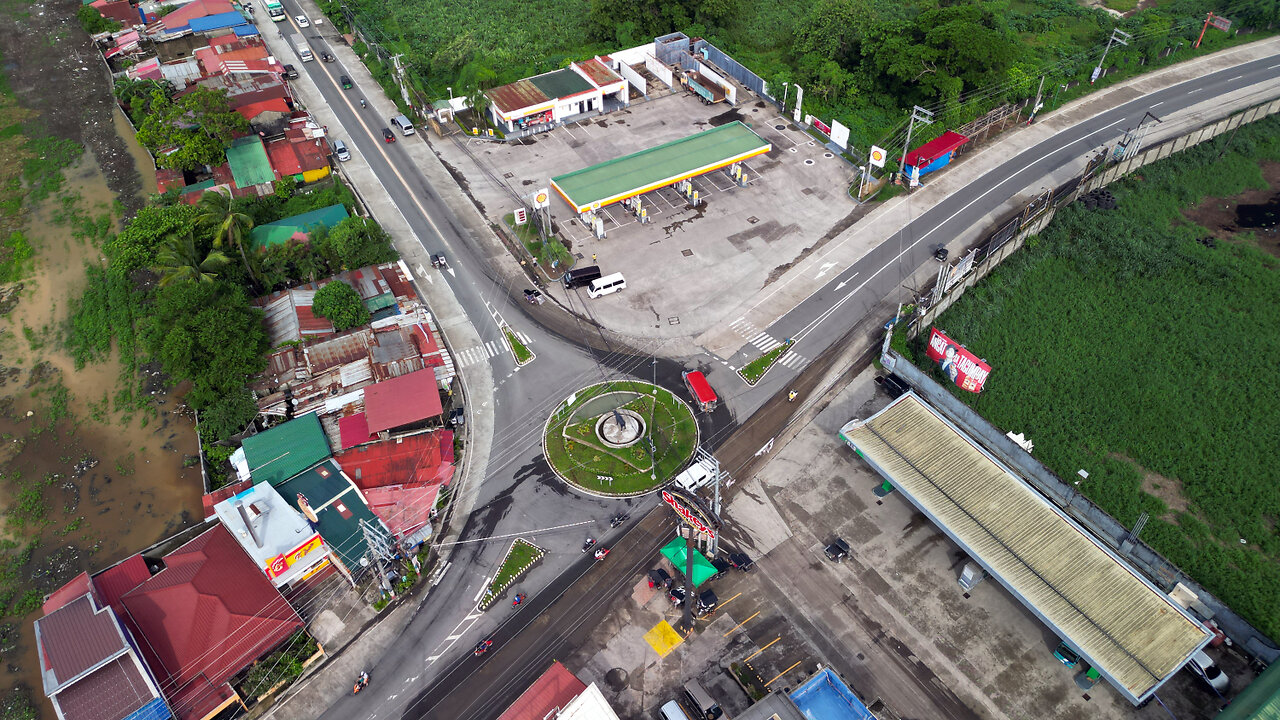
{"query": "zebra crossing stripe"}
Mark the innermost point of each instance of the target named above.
(770, 345)
(762, 337)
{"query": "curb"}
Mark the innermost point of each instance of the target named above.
(497, 592)
(790, 344)
(507, 333)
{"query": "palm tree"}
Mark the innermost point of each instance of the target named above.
(180, 259)
(230, 227)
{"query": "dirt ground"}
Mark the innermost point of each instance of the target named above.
(1223, 216)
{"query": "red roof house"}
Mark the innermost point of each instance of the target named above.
(112, 583)
(550, 692)
(401, 478)
(205, 617)
(401, 401)
(179, 19)
(120, 11)
(924, 156)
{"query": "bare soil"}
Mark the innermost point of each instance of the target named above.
(1220, 216)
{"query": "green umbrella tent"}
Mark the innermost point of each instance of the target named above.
(702, 567)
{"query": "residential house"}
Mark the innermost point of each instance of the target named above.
(178, 22)
(335, 507)
(296, 227)
(204, 617)
(278, 453)
(385, 290)
(401, 477)
(406, 402)
(251, 170)
(299, 155)
(119, 10)
(558, 694)
(280, 540)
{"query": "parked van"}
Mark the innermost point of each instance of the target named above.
(304, 50)
(701, 699)
(340, 151)
(402, 122)
(672, 711)
(581, 277)
(606, 285)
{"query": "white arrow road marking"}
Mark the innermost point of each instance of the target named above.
(846, 282)
(823, 270)
(452, 272)
(767, 447)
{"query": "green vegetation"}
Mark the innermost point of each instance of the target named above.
(522, 353)
(283, 665)
(183, 133)
(1121, 5)
(15, 254)
(575, 452)
(16, 704)
(1123, 346)
(754, 370)
(521, 554)
(93, 22)
(340, 304)
(551, 255)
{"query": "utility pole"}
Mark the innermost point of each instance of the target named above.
(1117, 36)
(379, 548)
(1035, 106)
(399, 73)
(1133, 142)
(691, 592)
(918, 114)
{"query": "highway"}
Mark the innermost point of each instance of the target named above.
(429, 671)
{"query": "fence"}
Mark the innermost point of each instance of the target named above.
(1010, 234)
(734, 69)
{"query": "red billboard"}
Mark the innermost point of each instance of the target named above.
(963, 367)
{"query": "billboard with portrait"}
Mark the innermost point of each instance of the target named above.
(961, 366)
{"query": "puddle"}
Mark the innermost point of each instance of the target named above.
(1262, 217)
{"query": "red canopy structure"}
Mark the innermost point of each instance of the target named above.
(938, 147)
(701, 390)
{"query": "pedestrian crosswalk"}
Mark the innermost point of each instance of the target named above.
(792, 359)
(492, 348)
(744, 327)
(763, 342)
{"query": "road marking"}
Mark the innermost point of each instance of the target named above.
(823, 270)
(1234, 78)
(1190, 92)
(766, 647)
(453, 637)
(846, 282)
(726, 602)
(1157, 105)
(480, 592)
(784, 672)
(1273, 67)
(432, 659)
(744, 622)
(473, 616)
(414, 678)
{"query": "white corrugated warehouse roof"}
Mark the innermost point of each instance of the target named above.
(1121, 624)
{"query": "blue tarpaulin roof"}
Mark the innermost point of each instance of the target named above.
(217, 22)
(245, 30)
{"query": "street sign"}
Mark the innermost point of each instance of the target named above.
(690, 513)
(876, 156)
(1220, 22)
(522, 216)
(542, 198)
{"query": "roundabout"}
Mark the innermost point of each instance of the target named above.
(620, 438)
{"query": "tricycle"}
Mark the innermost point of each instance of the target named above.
(438, 262)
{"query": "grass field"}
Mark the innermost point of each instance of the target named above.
(1121, 345)
(576, 453)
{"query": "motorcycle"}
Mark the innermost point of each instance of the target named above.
(587, 545)
(533, 297)
(602, 553)
(482, 646)
(617, 520)
(519, 599)
(361, 683)
(362, 103)
(438, 262)
(326, 57)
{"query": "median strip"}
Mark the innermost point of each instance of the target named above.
(753, 371)
(522, 353)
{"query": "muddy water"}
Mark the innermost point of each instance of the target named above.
(141, 158)
(121, 477)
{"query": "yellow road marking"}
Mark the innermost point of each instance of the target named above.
(766, 647)
(784, 672)
(726, 602)
(744, 622)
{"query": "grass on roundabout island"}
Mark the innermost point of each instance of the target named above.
(577, 454)
(522, 553)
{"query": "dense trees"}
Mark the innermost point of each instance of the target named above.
(341, 305)
(187, 132)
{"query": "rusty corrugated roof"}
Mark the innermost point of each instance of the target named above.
(515, 96)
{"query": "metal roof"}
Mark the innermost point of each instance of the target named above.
(280, 231)
(1121, 624)
(598, 73)
(249, 163)
(561, 83)
(277, 454)
(339, 508)
(552, 690)
(656, 167)
(515, 96)
(402, 400)
(277, 529)
(76, 638)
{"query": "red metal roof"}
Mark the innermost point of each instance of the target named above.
(254, 109)
(552, 690)
(516, 96)
(78, 586)
(200, 8)
(76, 637)
(399, 461)
(353, 430)
(120, 11)
(700, 387)
(283, 159)
(208, 500)
(209, 614)
(935, 148)
(404, 508)
(402, 400)
(598, 73)
(115, 690)
(119, 579)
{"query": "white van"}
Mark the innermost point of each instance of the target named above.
(606, 285)
(403, 123)
(304, 50)
(699, 696)
(672, 711)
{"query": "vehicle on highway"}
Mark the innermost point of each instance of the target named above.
(361, 682)
(701, 699)
(602, 553)
(519, 598)
(533, 297)
(403, 123)
(581, 277)
(588, 544)
(275, 10)
(346, 82)
(672, 711)
(388, 136)
(326, 57)
(340, 151)
(1066, 655)
(606, 285)
(302, 20)
(304, 50)
(838, 550)
(482, 646)
(700, 389)
(290, 72)
(438, 261)
(741, 561)
(1201, 664)
(617, 520)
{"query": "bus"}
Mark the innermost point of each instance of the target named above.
(275, 10)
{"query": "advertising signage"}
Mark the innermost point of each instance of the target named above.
(689, 513)
(961, 366)
(282, 562)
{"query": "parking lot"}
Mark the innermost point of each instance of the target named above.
(795, 197)
(891, 618)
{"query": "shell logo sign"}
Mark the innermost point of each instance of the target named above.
(877, 156)
(282, 562)
(542, 198)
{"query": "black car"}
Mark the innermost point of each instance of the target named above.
(838, 550)
(707, 602)
(290, 72)
(388, 136)
(721, 566)
(741, 561)
(346, 82)
(659, 578)
(457, 417)
(676, 595)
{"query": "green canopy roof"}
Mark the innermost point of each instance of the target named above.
(281, 231)
(702, 567)
(285, 450)
(1259, 701)
(249, 163)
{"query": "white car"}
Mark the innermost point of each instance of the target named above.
(302, 20)
(1201, 664)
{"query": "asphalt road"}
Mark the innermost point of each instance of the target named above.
(430, 671)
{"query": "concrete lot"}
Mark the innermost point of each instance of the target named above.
(891, 619)
(743, 237)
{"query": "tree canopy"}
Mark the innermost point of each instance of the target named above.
(188, 132)
(341, 305)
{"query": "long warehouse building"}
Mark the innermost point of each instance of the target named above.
(1120, 623)
(657, 167)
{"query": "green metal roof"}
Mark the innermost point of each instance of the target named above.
(561, 83)
(380, 302)
(658, 166)
(677, 553)
(279, 232)
(338, 506)
(199, 187)
(249, 163)
(285, 450)
(1259, 701)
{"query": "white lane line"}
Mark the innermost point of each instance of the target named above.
(1273, 67)
(1157, 104)
(1234, 78)
(480, 592)
(1189, 92)
(454, 637)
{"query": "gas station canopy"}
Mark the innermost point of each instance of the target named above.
(702, 567)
